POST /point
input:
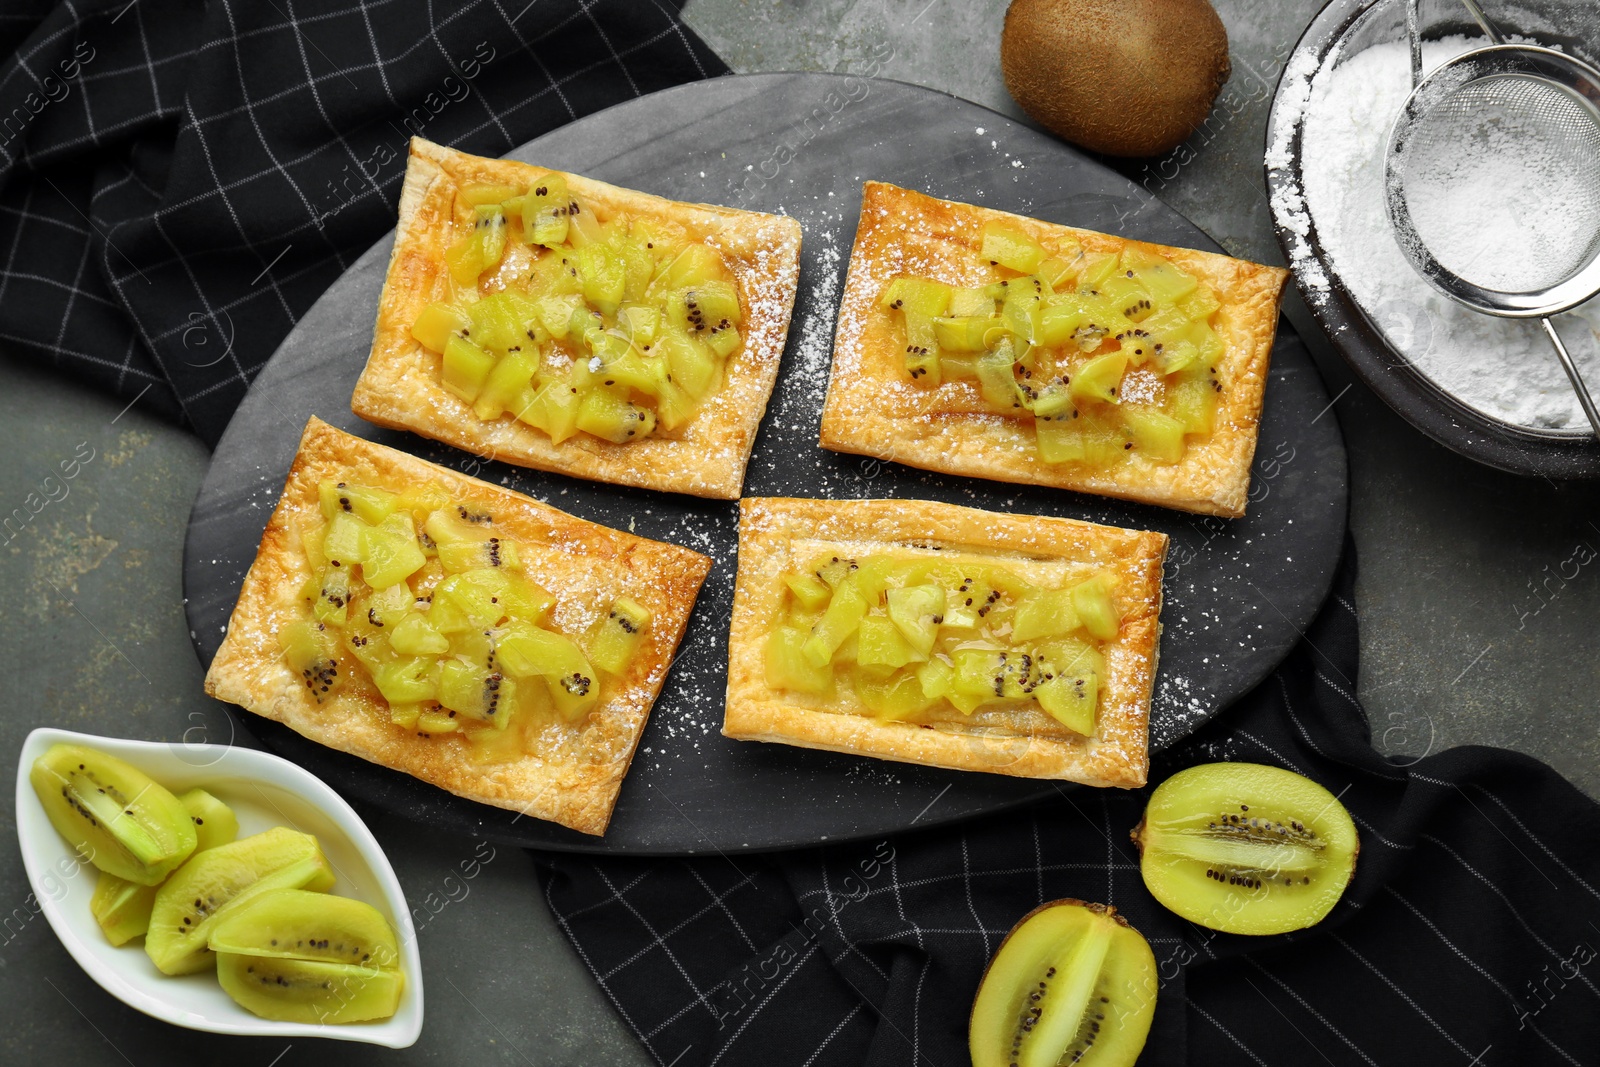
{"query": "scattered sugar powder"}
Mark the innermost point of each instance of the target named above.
(815, 333)
(1504, 368)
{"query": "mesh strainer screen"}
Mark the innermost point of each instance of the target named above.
(1502, 181)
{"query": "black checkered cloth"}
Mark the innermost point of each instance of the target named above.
(1469, 936)
(180, 181)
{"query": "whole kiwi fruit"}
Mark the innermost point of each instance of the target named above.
(1123, 77)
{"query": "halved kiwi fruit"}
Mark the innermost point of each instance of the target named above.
(1246, 849)
(1072, 983)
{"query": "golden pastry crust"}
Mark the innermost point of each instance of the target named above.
(780, 535)
(873, 409)
(575, 776)
(401, 387)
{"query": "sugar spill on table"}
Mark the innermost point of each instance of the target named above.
(1346, 110)
(814, 343)
(696, 709)
(869, 770)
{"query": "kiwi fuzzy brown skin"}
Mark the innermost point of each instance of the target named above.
(1123, 77)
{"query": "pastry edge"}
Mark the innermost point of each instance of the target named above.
(753, 713)
(249, 670)
(1214, 478)
(399, 386)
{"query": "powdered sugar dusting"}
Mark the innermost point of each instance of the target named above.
(814, 334)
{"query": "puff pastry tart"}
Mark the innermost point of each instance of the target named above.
(941, 635)
(975, 342)
(556, 322)
(459, 632)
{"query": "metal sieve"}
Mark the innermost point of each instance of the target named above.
(1493, 183)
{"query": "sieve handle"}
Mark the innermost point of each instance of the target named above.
(1572, 372)
(1483, 22)
(1414, 34)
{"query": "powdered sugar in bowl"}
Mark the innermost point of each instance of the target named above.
(1488, 388)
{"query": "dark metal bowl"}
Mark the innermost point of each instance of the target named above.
(1347, 27)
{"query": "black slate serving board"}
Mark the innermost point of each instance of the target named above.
(1237, 592)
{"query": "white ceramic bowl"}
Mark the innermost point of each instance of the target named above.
(264, 791)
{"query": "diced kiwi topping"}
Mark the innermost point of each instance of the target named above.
(914, 639)
(426, 599)
(1106, 354)
(617, 327)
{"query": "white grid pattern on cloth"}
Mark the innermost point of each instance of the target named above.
(227, 122)
(583, 954)
(924, 932)
(937, 907)
(718, 901)
(1313, 1012)
(755, 1012)
(658, 944)
(1455, 950)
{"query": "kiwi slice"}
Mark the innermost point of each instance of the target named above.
(122, 908)
(214, 822)
(309, 991)
(112, 813)
(1246, 849)
(527, 652)
(1073, 983)
(297, 924)
(205, 888)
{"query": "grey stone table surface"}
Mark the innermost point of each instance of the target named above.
(1475, 629)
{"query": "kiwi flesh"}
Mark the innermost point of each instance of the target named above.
(1123, 77)
(112, 813)
(214, 822)
(298, 924)
(122, 908)
(1245, 848)
(1072, 983)
(309, 991)
(218, 879)
(615, 638)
